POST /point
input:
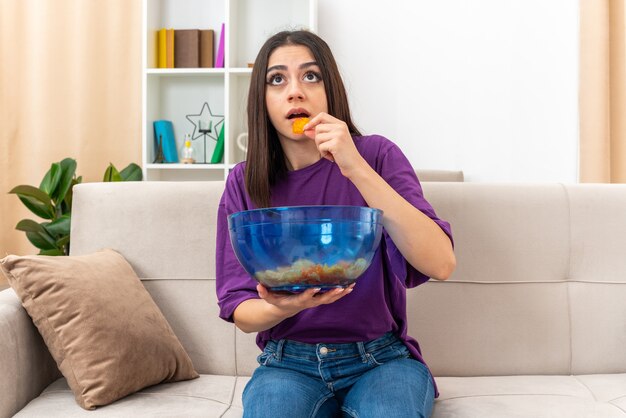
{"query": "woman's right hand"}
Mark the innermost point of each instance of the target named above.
(290, 304)
(254, 315)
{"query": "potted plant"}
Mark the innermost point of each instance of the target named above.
(52, 201)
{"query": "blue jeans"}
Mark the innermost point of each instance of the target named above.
(377, 378)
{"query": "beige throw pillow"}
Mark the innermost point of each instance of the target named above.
(106, 334)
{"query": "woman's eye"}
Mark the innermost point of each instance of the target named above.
(312, 77)
(276, 79)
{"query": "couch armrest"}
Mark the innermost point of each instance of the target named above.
(26, 365)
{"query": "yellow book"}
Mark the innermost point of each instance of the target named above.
(161, 49)
(165, 48)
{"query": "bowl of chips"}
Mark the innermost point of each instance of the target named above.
(293, 248)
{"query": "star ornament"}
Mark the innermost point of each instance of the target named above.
(205, 123)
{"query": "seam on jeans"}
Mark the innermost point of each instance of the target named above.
(429, 396)
(280, 350)
(402, 352)
(319, 372)
(371, 360)
(398, 354)
(264, 359)
(312, 358)
(362, 352)
(350, 411)
(319, 404)
(377, 345)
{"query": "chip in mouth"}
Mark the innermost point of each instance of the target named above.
(298, 125)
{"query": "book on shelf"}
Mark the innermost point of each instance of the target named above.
(219, 59)
(164, 141)
(165, 47)
(206, 48)
(187, 52)
(218, 152)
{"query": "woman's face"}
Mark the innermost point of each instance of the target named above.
(294, 88)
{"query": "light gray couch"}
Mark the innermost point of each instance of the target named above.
(531, 324)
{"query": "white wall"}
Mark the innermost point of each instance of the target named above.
(489, 87)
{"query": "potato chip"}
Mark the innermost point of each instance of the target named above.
(298, 125)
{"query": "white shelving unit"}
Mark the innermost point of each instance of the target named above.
(171, 94)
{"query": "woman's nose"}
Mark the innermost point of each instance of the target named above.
(295, 91)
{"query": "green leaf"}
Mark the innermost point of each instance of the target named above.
(111, 174)
(66, 205)
(36, 200)
(55, 251)
(32, 191)
(51, 180)
(41, 240)
(38, 208)
(132, 172)
(66, 209)
(68, 169)
(28, 225)
(63, 241)
(59, 227)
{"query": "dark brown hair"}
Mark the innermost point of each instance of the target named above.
(265, 158)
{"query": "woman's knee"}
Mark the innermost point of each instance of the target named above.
(400, 388)
(282, 393)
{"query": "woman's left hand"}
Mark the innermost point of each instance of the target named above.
(334, 142)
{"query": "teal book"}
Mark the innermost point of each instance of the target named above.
(218, 152)
(165, 141)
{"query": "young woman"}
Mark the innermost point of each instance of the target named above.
(345, 351)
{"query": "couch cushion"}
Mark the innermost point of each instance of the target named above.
(207, 396)
(189, 305)
(104, 331)
(598, 276)
(505, 309)
(178, 272)
(129, 216)
(491, 328)
(591, 396)
(594, 396)
(539, 285)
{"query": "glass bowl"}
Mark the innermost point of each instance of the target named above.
(293, 248)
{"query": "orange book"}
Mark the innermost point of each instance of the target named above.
(169, 41)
